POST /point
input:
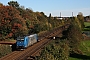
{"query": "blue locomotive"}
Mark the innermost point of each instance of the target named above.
(24, 42)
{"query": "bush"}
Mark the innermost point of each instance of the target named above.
(4, 50)
(57, 50)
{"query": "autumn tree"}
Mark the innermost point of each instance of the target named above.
(11, 23)
(1, 4)
(77, 22)
(81, 19)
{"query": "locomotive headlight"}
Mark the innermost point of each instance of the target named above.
(10, 45)
(25, 46)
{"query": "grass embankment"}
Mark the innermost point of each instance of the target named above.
(87, 26)
(85, 48)
(85, 45)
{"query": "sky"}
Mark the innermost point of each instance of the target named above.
(66, 7)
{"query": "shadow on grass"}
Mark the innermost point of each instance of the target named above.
(79, 56)
(87, 27)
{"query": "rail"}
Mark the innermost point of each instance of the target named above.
(34, 49)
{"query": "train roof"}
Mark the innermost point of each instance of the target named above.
(21, 37)
(31, 36)
(26, 36)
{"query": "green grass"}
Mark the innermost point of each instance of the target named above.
(85, 45)
(85, 48)
(87, 24)
(86, 29)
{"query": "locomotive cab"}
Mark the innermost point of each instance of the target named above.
(20, 44)
(25, 42)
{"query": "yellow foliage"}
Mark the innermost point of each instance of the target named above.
(77, 22)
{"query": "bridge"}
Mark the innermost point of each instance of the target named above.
(8, 42)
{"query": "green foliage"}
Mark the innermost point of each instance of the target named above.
(81, 19)
(36, 29)
(77, 22)
(28, 23)
(74, 37)
(57, 50)
(4, 50)
(13, 4)
(85, 47)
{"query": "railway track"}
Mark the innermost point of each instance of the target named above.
(22, 55)
(33, 50)
(9, 56)
(37, 53)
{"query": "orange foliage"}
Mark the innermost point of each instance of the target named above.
(10, 20)
(17, 25)
(31, 26)
(10, 35)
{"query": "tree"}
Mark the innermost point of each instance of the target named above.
(11, 23)
(35, 29)
(1, 4)
(50, 15)
(13, 4)
(81, 19)
(74, 36)
(80, 13)
(57, 50)
(77, 22)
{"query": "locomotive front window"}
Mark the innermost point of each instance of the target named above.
(20, 39)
